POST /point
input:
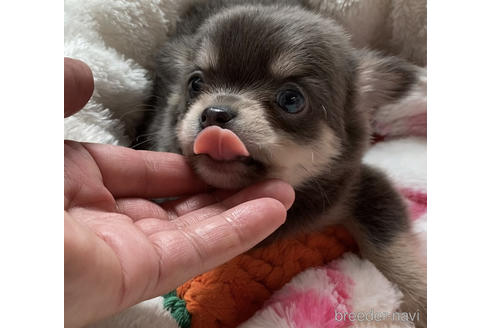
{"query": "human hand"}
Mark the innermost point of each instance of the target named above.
(121, 248)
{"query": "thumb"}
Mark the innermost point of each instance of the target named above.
(79, 85)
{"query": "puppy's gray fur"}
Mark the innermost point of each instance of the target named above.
(246, 52)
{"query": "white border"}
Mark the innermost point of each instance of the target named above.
(31, 130)
(460, 163)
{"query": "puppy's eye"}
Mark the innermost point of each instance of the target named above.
(195, 86)
(291, 101)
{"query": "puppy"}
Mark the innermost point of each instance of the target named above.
(251, 90)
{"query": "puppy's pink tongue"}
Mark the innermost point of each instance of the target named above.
(220, 144)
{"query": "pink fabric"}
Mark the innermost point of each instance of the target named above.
(314, 307)
(417, 125)
(416, 201)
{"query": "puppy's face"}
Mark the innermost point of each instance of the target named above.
(261, 93)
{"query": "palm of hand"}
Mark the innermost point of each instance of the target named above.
(129, 248)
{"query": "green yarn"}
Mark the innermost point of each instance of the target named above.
(177, 307)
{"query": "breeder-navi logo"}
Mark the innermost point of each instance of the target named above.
(377, 316)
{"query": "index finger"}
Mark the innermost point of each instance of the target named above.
(139, 173)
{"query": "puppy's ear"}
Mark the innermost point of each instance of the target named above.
(384, 79)
(394, 94)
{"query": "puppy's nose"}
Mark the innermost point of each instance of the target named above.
(216, 116)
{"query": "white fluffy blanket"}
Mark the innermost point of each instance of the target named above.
(118, 40)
